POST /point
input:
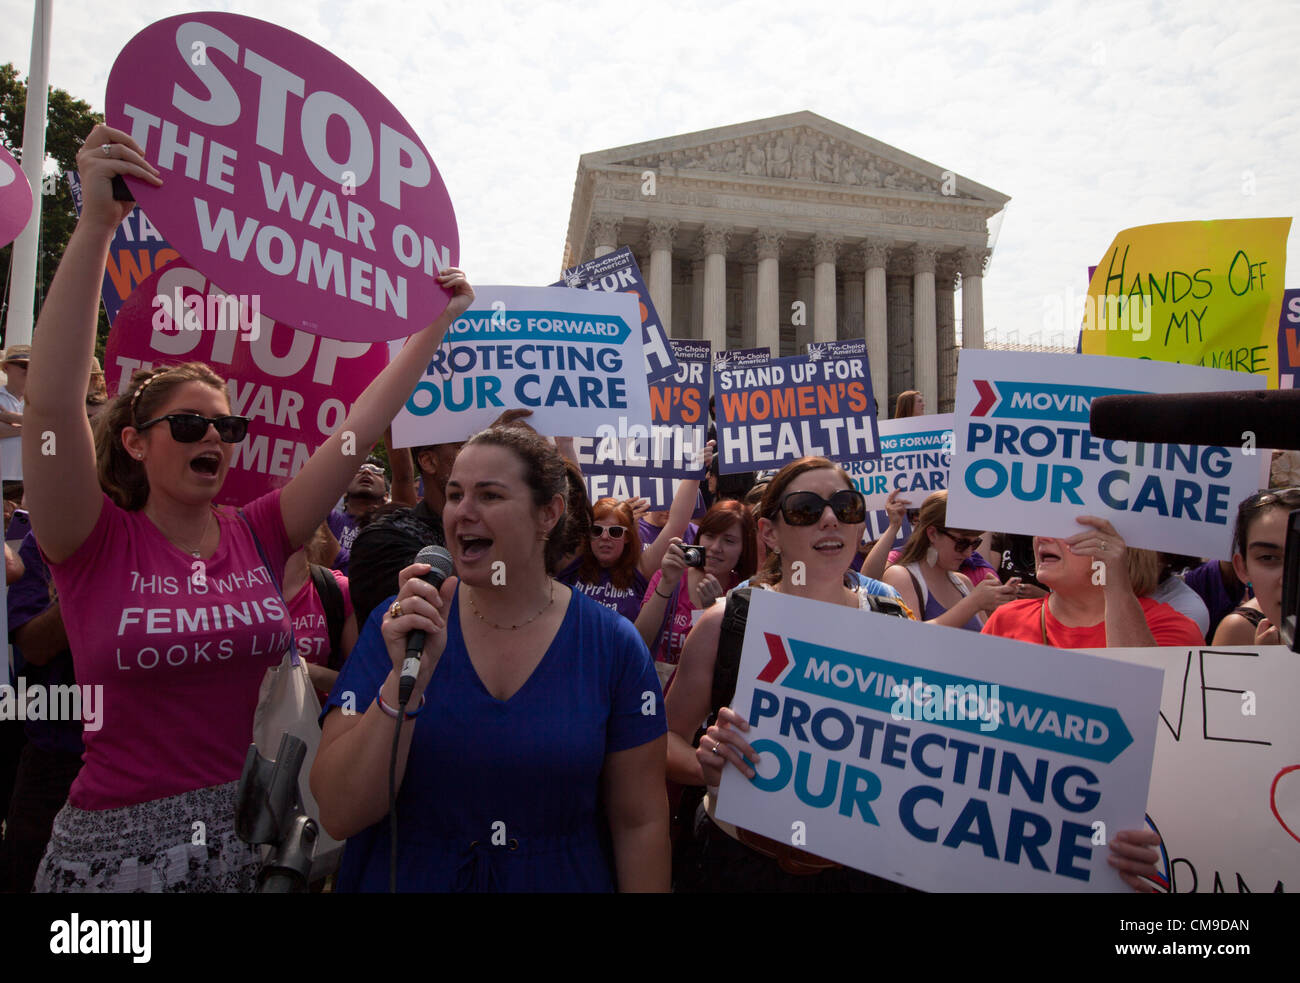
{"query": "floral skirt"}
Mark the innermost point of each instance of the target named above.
(182, 843)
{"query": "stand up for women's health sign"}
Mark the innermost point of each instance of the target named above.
(15, 198)
(618, 271)
(286, 175)
(295, 388)
(648, 462)
(940, 759)
(776, 412)
(1026, 460)
(1288, 341)
(573, 357)
(1225, 783)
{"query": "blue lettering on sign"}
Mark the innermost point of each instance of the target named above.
(539, 326)
(1034, 719)
(1049, 400)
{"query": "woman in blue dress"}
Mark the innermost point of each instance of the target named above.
(531, 755)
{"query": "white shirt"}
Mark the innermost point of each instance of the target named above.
(11, 448)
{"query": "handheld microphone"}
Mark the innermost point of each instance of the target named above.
(440, 560)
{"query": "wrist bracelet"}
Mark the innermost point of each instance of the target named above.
(666, 597)
(379, 697)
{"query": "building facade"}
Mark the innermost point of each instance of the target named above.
(784, 231)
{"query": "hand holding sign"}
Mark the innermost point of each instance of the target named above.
(722, 743)
(106, 154)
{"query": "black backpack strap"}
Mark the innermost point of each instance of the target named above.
(331, 599)
(726, 668)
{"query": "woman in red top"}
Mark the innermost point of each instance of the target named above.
(1098, 597)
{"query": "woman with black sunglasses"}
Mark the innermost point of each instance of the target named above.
(171, 605)
(613, 567)
(810, 519)
(928, 578)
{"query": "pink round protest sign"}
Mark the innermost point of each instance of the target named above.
(294, 387)
(15, 198)
(286, 175)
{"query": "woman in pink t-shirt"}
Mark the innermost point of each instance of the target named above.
(170, 604)
(677, 591)
(310, 615)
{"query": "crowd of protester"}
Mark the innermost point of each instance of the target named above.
(538, 717)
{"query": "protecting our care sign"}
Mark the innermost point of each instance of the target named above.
(286, 175)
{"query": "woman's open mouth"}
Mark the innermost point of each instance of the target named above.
(208, 463)
(474, 547)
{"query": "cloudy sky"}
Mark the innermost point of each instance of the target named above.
(1093, 117)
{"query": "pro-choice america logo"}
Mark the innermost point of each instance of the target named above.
(1039, 400)
(1036, 720)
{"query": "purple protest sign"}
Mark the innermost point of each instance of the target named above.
(640, 462)
(137, 250)
(295, 388)
(1288, 341)
(287, 175)
(769, 415)
(618, 271)
(15, 198)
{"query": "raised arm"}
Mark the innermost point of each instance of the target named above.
(307, 499)
(878, 559)
(679, 517)
(687, 702)
(404, 491)
(59, 469)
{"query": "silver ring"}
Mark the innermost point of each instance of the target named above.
(715, 747)
(106, 150)
(1103, 547)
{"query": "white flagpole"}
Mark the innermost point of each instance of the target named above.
(18, 330)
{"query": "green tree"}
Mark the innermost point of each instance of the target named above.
(69, 122)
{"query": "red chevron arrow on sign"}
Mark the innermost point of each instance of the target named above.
(988, 398)
(779, 660)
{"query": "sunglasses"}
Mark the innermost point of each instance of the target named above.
(960, 543)
(190, 427)
(1283, 496)
(805, 508)
(615, 532)
(372, 469)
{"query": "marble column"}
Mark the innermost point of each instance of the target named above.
(604, 233)
(898, 290)
(805, 292)
(925, 375)
(767, 332)
(748, 297)
(824, 250)
(945, 282)
(659, 240)
(697, 295)
(875, 254)
(714, 241)
(972, 297)
(852, 326)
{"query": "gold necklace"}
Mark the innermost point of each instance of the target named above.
(477, 614)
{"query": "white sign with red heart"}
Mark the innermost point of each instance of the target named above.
(1225, 782)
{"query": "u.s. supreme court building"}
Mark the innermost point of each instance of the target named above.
(794, 229)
